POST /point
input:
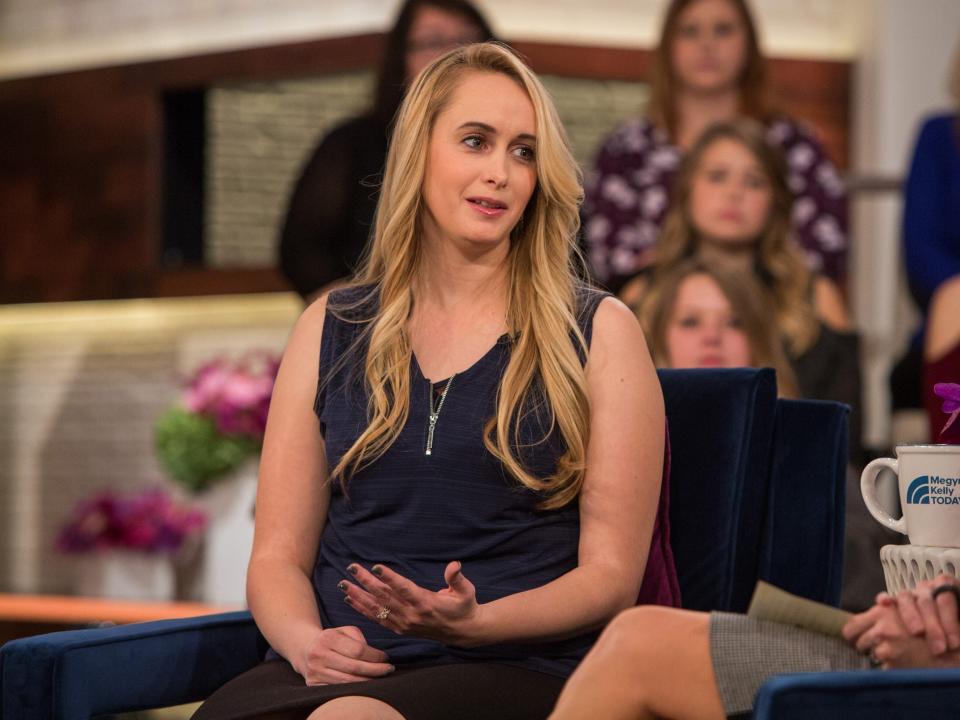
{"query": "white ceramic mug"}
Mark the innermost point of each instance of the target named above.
(929, 481)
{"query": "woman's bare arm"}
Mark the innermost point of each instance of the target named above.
(292, 502)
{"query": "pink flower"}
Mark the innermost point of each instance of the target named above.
(235, 397)
(950, 392)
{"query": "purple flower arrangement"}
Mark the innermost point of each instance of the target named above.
(221, 421)
(950, 393)
(149, 521)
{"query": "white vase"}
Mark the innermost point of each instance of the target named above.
(126, 575)
(228, 539)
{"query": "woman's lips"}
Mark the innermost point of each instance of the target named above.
(487, 206)
(711, 361)
(731, 216)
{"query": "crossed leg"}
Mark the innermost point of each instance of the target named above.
(650, 662)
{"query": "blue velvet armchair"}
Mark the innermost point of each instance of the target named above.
(756, 492)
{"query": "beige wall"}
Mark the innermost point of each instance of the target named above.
(81, 386)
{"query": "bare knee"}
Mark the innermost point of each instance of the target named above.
(638, 640)
(355, 707)
(638, 630)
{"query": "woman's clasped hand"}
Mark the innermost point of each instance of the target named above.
(340, 655)
(914, 628)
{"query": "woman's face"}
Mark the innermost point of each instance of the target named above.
(481, 162)
(434, 32)
(709, 47)
(702, 330)
(730, 195)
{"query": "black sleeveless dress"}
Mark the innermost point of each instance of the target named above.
(415, 512)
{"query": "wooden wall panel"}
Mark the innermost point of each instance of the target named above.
(816, 90)
(80, 177)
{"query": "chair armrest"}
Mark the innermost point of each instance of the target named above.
(79, 673)
(861, 695)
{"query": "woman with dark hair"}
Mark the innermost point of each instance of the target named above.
(708, 68)
(331, 209)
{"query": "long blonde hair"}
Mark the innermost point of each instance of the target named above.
(778, 262)
(543, 266)
(749, 303)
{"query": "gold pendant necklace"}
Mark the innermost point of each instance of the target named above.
(435, 412)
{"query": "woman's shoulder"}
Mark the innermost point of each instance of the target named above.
(354, 302)
(940, 128)
(941, 120)
(593, 302)
(588, 297)
(829, 304)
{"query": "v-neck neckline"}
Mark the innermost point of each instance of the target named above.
(460, 373)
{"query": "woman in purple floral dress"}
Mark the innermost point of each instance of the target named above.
(708, 69)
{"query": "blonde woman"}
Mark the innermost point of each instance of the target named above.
(481, 465)
(699, 315)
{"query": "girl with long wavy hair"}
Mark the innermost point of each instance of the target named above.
(732, 207)
(708, 67)
(473, 488)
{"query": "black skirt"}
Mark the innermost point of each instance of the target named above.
(467, 691)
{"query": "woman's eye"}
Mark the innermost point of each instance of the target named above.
(716, 175)
(473, 141)
(756, 182)
(688, 322)
(525, 152)
(724, 29)
(688, 32)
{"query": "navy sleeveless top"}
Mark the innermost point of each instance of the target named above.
(415, 512)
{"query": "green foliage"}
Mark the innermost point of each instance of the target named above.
(194, 452)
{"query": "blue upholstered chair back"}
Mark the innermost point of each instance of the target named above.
(721, 435)
(806, 499)
(757, 488)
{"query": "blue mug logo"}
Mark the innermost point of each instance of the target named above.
(918, 492)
